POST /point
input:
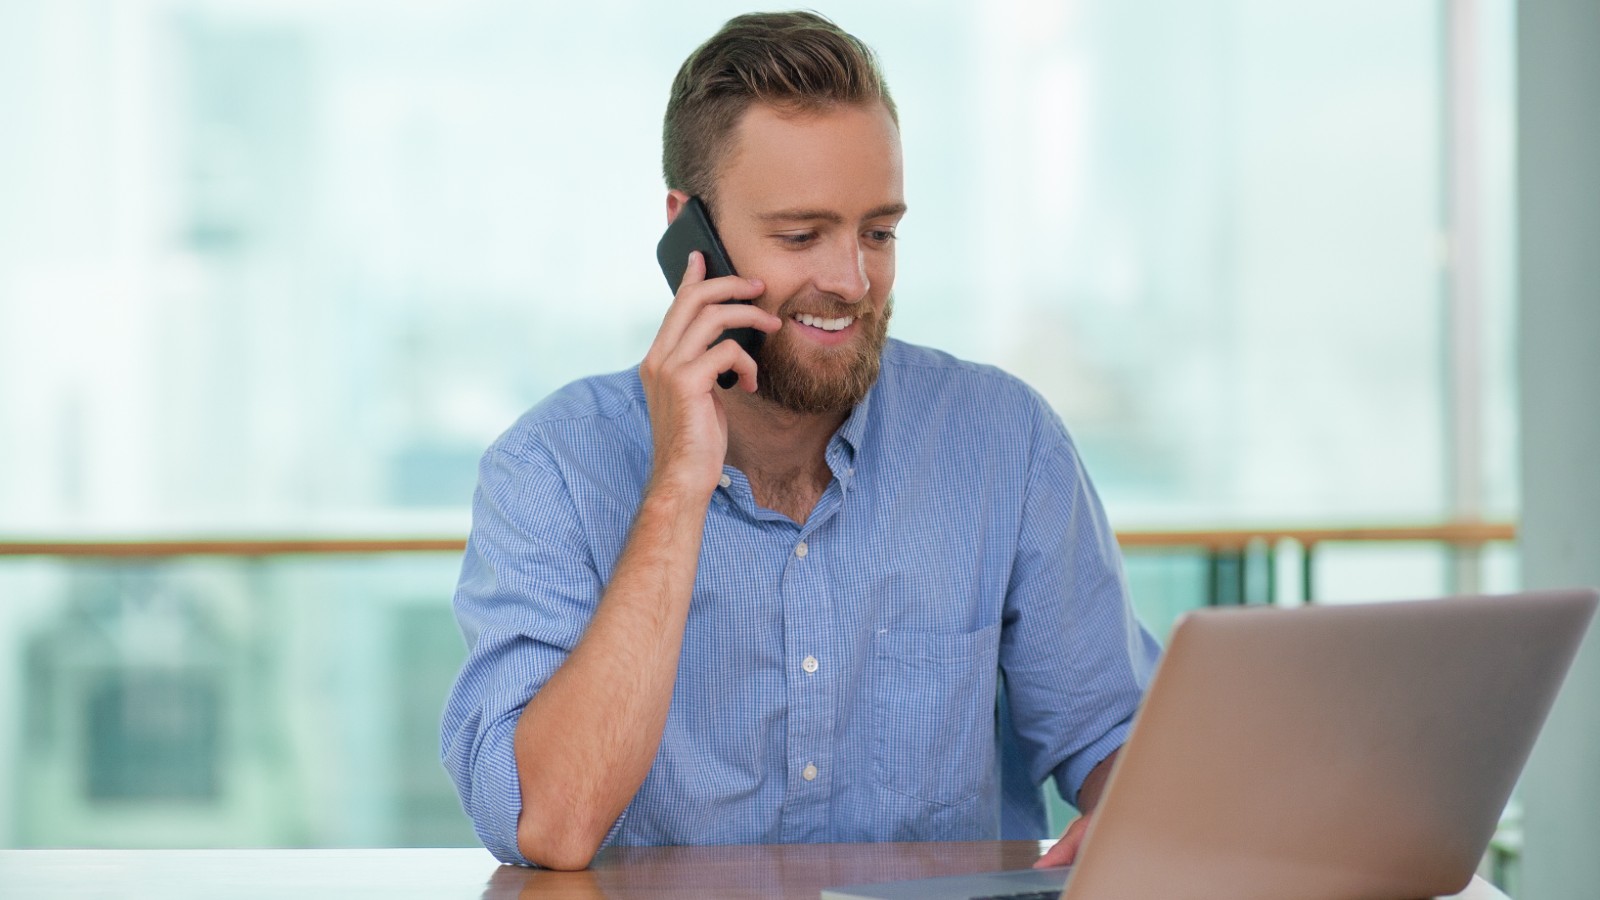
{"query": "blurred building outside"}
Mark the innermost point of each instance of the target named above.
(269, 267)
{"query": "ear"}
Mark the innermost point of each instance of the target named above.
(676, 200)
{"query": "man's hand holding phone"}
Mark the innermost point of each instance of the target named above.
(687, 421)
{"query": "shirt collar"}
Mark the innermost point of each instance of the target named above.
(853, 433)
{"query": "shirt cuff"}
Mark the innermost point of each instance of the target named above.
(1078, 766)
(616, 829)
(499, 794)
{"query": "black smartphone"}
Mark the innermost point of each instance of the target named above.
(692, 230)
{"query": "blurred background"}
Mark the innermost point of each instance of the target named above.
(277, 269)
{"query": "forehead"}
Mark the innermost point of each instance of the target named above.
(845, 159)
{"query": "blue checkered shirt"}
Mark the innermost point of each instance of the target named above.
(838, 679)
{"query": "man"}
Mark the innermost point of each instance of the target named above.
(782, 612)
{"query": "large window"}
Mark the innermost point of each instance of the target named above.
(286, 267)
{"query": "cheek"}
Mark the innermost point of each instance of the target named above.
(881, 272)
(784, 278)
(775, 272)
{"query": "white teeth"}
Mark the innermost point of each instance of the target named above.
(824, 324)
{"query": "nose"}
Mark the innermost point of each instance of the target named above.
(843, 272)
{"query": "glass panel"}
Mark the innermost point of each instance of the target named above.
(223, 703)
(1349, 573)
(289, 266)
(312, 259)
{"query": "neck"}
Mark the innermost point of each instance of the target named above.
(767, 439)
(783, 453)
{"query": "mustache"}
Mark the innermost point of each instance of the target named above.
(826, 306)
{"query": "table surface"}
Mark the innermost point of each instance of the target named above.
(790, 870)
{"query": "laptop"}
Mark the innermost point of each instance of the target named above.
(1345, 752)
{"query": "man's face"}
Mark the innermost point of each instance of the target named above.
(809, 202)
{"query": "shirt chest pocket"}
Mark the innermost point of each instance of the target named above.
(933, 696)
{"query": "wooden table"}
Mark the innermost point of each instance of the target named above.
(785, 871)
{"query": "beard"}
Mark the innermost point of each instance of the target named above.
(827, 380)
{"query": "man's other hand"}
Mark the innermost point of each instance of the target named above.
(1065, 851)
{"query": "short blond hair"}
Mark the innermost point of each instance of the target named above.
(797, 60)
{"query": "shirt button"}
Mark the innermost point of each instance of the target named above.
(800, 549)
(850, 471)
(809, 773)
(724, 481)
(810, 664)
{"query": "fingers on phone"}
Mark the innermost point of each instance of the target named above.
(749, 290)
(708, 328)
(693, 299)
(714, 320)
(695, 271)
(719, 290)
(727, 356)
(686, 340)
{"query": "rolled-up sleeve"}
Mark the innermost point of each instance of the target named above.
(1076, 659)
(528, 589)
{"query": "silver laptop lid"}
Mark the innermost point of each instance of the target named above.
(1339, 751)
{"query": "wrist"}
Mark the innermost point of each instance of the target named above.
(675, 493)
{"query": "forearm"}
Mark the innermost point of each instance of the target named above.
(586, 740)
(1094, 784)
(1065, 851)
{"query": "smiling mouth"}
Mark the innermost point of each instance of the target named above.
(822, 324)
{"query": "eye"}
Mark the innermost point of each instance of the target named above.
(798, 240)
(881, 235)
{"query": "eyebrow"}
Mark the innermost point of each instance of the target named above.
(827, 215)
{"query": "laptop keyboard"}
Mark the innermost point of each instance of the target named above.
(1025, 895)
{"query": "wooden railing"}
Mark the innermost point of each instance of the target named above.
(231, 546)
(1230, 553)
(1452, 533)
